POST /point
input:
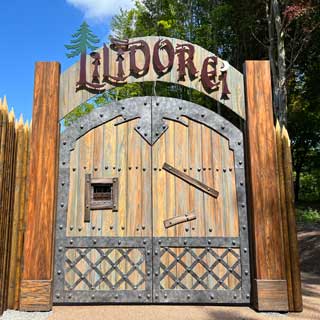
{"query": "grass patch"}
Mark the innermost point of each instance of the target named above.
(308, 215)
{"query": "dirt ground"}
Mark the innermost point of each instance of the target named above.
(309, 242)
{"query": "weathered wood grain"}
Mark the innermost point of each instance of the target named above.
(36, 295)
(38, 245)
(291, 224)
(268, 250)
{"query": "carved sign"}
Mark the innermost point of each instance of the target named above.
(162, 61)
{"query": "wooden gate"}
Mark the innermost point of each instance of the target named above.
(152, 206)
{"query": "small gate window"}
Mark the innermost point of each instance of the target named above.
(100, 194)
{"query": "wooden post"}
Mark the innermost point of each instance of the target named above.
(269, 283)
(38, 247)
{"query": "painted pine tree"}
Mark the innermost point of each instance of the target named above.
(81, 41)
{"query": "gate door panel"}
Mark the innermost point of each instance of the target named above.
(199, 207)
(104, 229)
(152, 207)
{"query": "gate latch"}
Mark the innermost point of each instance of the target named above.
(179, 219)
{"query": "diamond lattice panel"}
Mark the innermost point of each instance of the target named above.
(200, 268)
(105, 269)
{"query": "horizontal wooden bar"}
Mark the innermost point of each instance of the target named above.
(179, 219)
(196, 183)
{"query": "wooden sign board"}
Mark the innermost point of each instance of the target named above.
(152, 59)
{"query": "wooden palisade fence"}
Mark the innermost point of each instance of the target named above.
(14, 155)
(288, 218)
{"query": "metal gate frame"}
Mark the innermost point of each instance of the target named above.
(151, 128)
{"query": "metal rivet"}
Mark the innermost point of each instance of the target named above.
(94, 241)
(222, 127)
(163, 127)
(101, 115)
(145, 103)
(156, 274)
(144, 241)
(235, 296)
(122, 108)
(93, 227)
(62, 183)
(73, 169)
(165, 295)
(246, 272)
(224, 169)
(247, 296)
(180, 108)
(130, 168)
(119, 242)
(157, 103)
(137, 168)
(57, 295)
(119, 169)
(185, 241)
(92, 297)
(122, 228)
(79, 229)
(137, 229)
(92, 288)
(138, 127)
(156, 296)
(217, 169)
(245, 250)
(63, 163)
(244, 227)
(71, 241)
(106, 167)
(59, 272)
(148, 252)
(156, 253)
(230, 169)
(145, 134)
(209, 241)
(155, 169)
(240, 162)
(148, 273)
(64, 143)
(188, 296)
(239, 143)
(61, 227)
(243, 205)
(143, 227)
(82, 277)
(210, 229)
(70, 296)
(111, 227)
(60, 249)
(211, 296)
(140, 296)
(187, 229)
(233, 242)
(144, 169)
(241, 183)
(159, 241)
(202, 115)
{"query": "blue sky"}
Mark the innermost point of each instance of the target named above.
(36, 30)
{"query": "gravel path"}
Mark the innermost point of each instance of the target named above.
(18, 315)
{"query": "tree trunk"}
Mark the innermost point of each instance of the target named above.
(277, 57)
(297, 184)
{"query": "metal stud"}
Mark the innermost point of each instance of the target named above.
(185, 241)
(101, 115)
(70, 296)
(144, 241)
(143, 227)
(59, 272)
(93, 227)
(57, 295)
(81, 126)
(79, 229)
(235, 296)
(111, 227)
(139, 296)
(233, 242)
(245, 250)
(60, 249)
(119, 242)
(61, 227)
(159, 241)
(116, 296)
(211, 296)
(187, 229)
(209, 241)
(246, 272)
(94, 241)
(248, 296)
(210, 229)
(188, 296)
(165, 296)
(156, 273)
(122, 228)
(106, 167)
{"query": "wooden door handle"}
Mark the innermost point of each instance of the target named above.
(179, 219)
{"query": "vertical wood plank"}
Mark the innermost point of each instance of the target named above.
(38, 247)
(264, 196)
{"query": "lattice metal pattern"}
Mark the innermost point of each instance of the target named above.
(200, 268)
(105, 269)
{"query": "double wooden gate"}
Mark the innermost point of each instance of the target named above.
(152, 206)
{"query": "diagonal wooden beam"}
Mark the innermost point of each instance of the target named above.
(196, 183)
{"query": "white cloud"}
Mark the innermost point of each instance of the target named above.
(100, 9)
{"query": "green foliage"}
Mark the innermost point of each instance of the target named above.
(308, 215)
(77, 113)
(309, 186)
(82, 40)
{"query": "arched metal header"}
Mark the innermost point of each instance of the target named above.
(152, 59)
